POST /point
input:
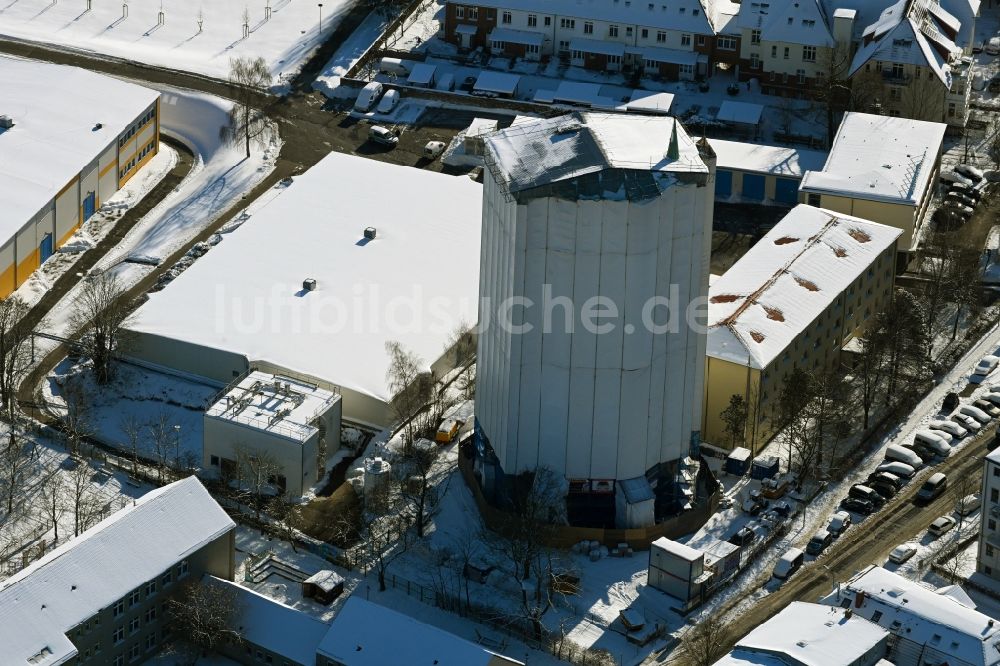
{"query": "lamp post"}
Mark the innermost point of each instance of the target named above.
(177, 446)
(320, 5)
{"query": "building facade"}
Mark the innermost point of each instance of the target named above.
(611, 209)
(792, 301)
(51, 187)
(988, 555)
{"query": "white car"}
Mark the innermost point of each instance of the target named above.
(952, 177)
(993, 46)
(900, 469)
(975, 412)
(968, 505)
(388, 102)
(950, 427)
(902, 552)
(992, 397)
(983, 368)
(970, 172)
(966, 421)
(433, 149)
(941, 525)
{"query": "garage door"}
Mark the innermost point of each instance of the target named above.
(786, 190)
(753, 187)
(723, 183)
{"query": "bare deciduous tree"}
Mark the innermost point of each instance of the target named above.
(247, 125)
(206, 614)
(417, 484)
(162, 438)
(77, 424)
(379, 530)
(132, 429)
(409, 387)
(100, 318)
(84, 499)
(704, 643)
(53, 500)
(15, 462)
(259, 473)
(15, 350)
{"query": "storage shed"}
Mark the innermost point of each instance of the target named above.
(323, 586)
(677, 569)
(738, 462)
(764, 467)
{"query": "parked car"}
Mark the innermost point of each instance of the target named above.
(774, 488)
(966, 421)
(368, 97)
(743, 537)
(932, 441)
(468, 84)
(992, 46)
(950, 427)
(987, 406)
(433, 149)
(961, 198)
(975, 412)
(967, 190)
(788, 564)
(951, 206)
(941, 525)
(993, 85)
(885, 477)
(862, 506)
(839, 522)
(992, 396)
(946, 218)
(860, 491)
(388, 102)
(968, 505)
(897, 469)
(886, 490)
(987, 365)
(895, 452)
(952, 177)
(933, 487)
(383, 135)
(902, 552)
(977, 47)
(972, 173)
(755, 504)
(782, 508)
(818, 543)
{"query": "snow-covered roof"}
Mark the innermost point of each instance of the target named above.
(545, 151)
(773, 160)
(788, 21)
(516, 36)
(994, 456)
(270, 624)
(687, 15)
(677, 549)
(939, 621)
(84, 575)
(774, 291)
(814, 635)
(422, 74)
(739, 112)
(648, 101)
(496, 82)
(368, 292)
(600, 46)
(367, 634)
(911, 32)
(272, 403)
(56, 112)
(879, 158)
(326, 580)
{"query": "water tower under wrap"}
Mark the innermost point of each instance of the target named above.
(595, 217)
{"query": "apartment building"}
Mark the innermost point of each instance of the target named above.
(988, 557)
(671, 41)
(792, 301)
(910, 65)
(881, 169)
(102, 598)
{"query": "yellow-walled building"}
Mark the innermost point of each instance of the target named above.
(880, 168)
(793, 300)
(69, 140)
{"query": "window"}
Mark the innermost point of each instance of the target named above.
(726, 43)
(989, 550)
(506, 18)
(150, 642)
(951, 109)
(460, 12)
(150, 615)
(897, 70)
(531, 48)
(588, 28)
(119, 635)
(577, 55)
(628, 31)
(754, 61)
(687, 69)
(119, 660)
(612, 30)
(133, 626)
(802, 75)
(991, 524)
(150, 588)
(614, 60)
(786, 53)
(474, 13)
(809, 53)
(876, 616)
(134, 598)
(700, 41)
(169, 577)
(685, 40)
(134, 652)
(895, 94)
(548, 21)
(119, 608)
(563, 45)
(532, 20)
(996, 471)
(755, 36)
(774, 51)
(645, 33)
(182, 570)
(994, 495)
(568, 24)
(661, 36)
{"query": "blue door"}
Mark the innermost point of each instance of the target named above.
(723, 183)
(753, 187)
(786, 191)
(45, 249)
(88, 206)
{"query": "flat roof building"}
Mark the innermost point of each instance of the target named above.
(246, 304)
(793, 300)
(756, 173)
(69, 140)
(880, 168)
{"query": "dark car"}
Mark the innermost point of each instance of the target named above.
(885, 477)
(743, 538)
(947, 219)
(861, 491)
(994, 85)
(782, 508)
(468, 84)
(886, 490)
(950, 402)
(862, 506)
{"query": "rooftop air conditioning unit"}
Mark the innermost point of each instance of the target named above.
(309, 284)
(370, 233)
(6, 122)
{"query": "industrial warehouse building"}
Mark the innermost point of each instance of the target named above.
(300, 292)
(69, 140)
(608, 206)
(793, 300)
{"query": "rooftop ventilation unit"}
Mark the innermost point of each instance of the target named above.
(6, 122)
(309, 284)
(370, 233)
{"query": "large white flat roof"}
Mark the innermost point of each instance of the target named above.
(774, 291)
(879, 158)
(773, 160)
(415, 283)
(56, 110)
(76, 580)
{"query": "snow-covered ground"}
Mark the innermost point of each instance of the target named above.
(349, 53)
(193, 36)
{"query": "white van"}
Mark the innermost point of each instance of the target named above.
(975, 412)
(897, 453)
(368, 97)
(788, 564)
(927, 439)
(394, 66)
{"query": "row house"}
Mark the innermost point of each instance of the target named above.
(672, 41)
